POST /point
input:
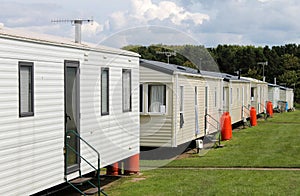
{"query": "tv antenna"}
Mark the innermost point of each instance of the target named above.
(263, 64)
(168, 54)
(77, 23)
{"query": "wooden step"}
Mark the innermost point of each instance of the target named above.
(91, 191)
(80, 180)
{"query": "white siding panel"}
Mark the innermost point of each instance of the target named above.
(150, 75)
(214, 106)
(31, 148)
(273, 95)
(156, 130)
(291, 98)
(187, 132)
(237, 102)
(116, 135)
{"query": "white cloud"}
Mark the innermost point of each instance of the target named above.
(147, 35)
(263, 1)
(118, 19)
(92, 29)
(271, 22)
(145, 12)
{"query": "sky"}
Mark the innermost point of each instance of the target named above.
(122, 22)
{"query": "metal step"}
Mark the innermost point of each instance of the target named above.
(91, 191)
(80, 180)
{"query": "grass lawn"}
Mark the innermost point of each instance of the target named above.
(210, 182)
(273, 143)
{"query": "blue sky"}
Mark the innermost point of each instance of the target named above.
(121, 22)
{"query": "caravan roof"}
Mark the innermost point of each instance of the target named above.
(22, 35)
(225, 76)
(167, 68)
(253, 80)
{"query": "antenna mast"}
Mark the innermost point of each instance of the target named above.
(168, 54)
(77, 23)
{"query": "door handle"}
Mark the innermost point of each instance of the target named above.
(67, 117)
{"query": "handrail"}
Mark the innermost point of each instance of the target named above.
(213, 125)
(212, 118)
(91, 147)
(263, 107)
(265, 110)
(218, 126)
(73, 150)
(247, 112)
(75, 133)
(244, 107)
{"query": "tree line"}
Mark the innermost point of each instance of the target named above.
(280, 62)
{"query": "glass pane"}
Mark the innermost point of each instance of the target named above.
(25, 89)
(71, 114)
(215, 97)
(126, 85)
(156, 97)
(196, 95)
(206, 97)
(104, 92)
(141, 98)
(181, 99)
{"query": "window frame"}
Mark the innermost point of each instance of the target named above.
(107, 92)
(123, 90)
(31, 110)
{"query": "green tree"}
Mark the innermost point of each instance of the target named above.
(289, 78)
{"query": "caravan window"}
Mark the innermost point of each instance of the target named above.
(252, 93)
(141, 98)
(104, 91)
(157, 98)
(238, 94)
(216, 95)
(181, 99)
(230, 95)
(126, 88)
(25, 89)
(181, 106)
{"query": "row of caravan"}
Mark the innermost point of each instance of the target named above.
(180, 104)
(96, 100)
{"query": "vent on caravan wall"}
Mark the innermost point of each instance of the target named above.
(77, 23)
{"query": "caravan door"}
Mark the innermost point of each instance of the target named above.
(72, 148)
